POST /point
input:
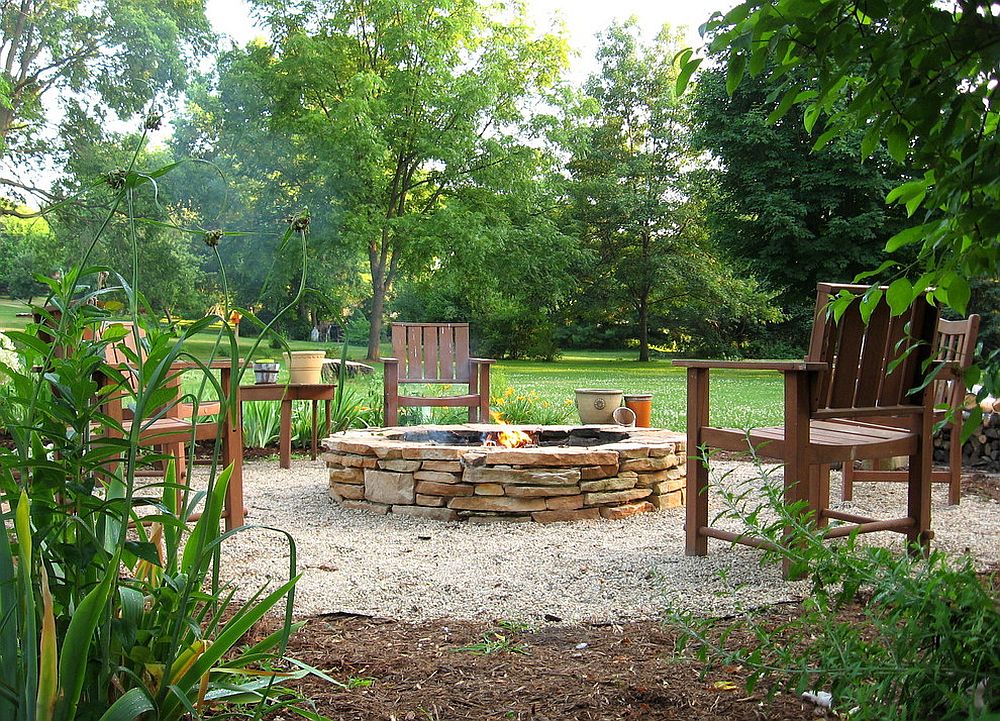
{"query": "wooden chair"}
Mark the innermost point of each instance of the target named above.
(955, 343)
(844, 401)
(435, 353)
(182, 423)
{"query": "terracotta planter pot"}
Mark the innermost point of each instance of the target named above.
(642, 405)
(305, 366)
(597, 405)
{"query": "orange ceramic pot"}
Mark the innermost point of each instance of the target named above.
(642, 405)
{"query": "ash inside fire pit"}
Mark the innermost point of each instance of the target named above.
(454, 473)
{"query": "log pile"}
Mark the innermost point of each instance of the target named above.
(982, 450)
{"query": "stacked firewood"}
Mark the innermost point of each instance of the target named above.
(981, 451)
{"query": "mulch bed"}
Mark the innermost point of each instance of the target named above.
(398, 671)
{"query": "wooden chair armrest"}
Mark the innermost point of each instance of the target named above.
(758, 365)
(482, 361)
(389, 360)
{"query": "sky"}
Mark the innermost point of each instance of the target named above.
(583, 20)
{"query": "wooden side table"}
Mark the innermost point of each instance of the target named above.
(286, 393)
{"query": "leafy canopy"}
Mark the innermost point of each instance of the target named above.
(922, 78)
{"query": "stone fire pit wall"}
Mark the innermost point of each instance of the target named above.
(379, 470)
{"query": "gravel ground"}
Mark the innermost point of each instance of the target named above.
(590, 571)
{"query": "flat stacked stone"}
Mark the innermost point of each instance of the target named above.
(377, 470)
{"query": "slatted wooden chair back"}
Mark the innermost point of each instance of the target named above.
(956, 343)
(871, 364)
(431, 352)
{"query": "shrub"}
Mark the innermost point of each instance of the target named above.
(511, 406)
(925, 646)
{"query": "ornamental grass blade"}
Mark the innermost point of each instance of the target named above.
(29, 661)
(8, 632)
(76, 643)
(206, 529)
(48, 653)
(131, 706)
(227, 638)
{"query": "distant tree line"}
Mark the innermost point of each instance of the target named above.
(450, 170)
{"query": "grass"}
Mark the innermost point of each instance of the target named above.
(8, 314)
(738, 399)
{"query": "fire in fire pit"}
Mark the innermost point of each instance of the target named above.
(511, 438)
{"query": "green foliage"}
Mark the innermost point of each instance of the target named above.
(99, 59)
(650, 272)
(27, 249)
(891, 636)
(113, 607)
(919, 77)
(261, 423)
(409, 106)
(528, 408)
(792, 215)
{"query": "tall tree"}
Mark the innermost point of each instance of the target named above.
(414, 100)
(65, 65)
(258, 171)
(635, 199)
(920, 76)
(793, 215)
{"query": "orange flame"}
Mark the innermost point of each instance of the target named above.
(513, 439)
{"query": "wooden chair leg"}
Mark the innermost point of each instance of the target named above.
(390, 400)
(821, 478)
(474, 415)
(799, 483)
(696, 501)
(955, 461)
(847, 484)
(484, 393)
(918, 494)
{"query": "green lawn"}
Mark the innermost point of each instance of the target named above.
(8, 314)
(739, 400)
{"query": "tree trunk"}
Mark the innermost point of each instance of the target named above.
(375, 331)
(644, 328)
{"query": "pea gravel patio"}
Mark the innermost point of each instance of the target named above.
(586, 571)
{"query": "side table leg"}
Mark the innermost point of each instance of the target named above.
(315, 427)
(286, 433)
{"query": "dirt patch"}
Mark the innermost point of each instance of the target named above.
(983, 484)
(586, 672)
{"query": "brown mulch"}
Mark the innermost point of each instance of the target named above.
(398, 671)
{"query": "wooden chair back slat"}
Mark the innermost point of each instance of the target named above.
(446, 349)
(850, 336)
(860, 355)
(431, 355)
(873, 357)
(431, 351)
(414, 364)
(461, 351)
(821, 346)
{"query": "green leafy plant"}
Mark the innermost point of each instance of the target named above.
(530, 408)
(496, 641)
(261, 423)
(111, 606)
(890, 635)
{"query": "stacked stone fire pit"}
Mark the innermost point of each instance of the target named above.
(455, 473)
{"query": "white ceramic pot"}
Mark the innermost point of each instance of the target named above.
(597, 405)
